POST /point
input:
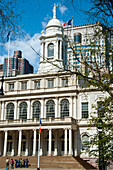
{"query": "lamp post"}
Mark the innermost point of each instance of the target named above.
(100, 147)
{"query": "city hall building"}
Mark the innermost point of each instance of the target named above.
(53, 94)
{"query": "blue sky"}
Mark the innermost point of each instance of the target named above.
(35, 14)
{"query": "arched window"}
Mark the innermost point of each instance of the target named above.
(10, 111)
(51, 50)
(36, 109)
(85, 142)
(50, 109)
(23, 110)
(64, 108)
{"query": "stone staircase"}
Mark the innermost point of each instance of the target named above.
(54, 162)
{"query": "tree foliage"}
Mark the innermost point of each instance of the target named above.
(103, 140)
(102, 11)
(99, 11)
(97, 73)
(9, 17)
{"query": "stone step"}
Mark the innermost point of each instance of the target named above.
(48, 162)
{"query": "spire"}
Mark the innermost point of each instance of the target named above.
(54, 10)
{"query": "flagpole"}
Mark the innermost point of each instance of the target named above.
(8, 56)
(39, 142)
(38, 151)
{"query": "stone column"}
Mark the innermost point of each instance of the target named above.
(56, 52)
(75, 143)
(65, 143)
(56, 108)
(64, 55)
(34, 143)
(5, 144)
(42, 46)
(60, 50)
(0, 143)
(70, 141)
(71, 107)
(50, 142)
(42, 108)
(74, 107)
(29, 109)
(2, 111)
(15, 110)
(19, 142)
(46, 50)
(56, 143)
(13, 145)
(27, 143)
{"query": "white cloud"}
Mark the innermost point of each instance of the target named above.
(62, 8)
(44, 24)
(46, 20)
(25, 46)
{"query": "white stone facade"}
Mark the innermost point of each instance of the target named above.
(52, 93)
(61, 135)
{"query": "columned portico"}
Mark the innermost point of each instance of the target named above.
(54, 138)
(19, 142)
(5, 144)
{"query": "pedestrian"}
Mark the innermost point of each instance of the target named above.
(7, 163)
(16, 163)
(21, 163)
(27, 161)
(24, 163)
(12, 162)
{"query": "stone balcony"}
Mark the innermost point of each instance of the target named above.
(68, 122)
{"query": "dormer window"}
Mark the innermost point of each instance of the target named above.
(51, 50)
(11, 87)
(65, 82)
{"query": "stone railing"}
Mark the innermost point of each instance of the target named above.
(49, 120)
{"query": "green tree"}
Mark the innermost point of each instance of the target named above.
(98, 75)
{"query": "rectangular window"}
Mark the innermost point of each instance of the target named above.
(65, 82)
(51, 83)
(24, 85)
(37, 84)
(101, 109)
(84, 110)
(11, 87)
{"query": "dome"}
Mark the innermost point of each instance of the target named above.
(54, 22)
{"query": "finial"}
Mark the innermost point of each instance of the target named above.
(54, 10)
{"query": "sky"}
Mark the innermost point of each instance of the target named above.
(35, 14)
